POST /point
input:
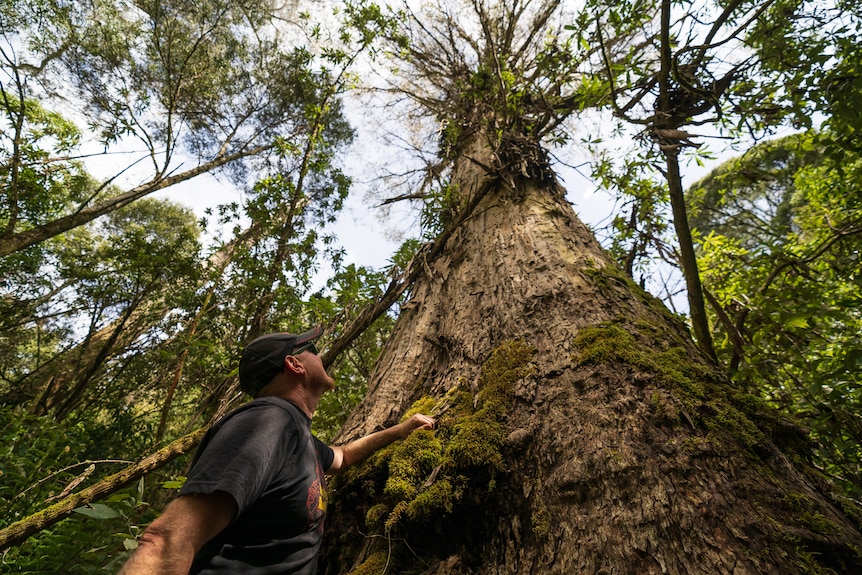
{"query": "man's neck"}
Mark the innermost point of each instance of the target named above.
(302, 399)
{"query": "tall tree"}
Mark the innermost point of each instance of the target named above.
(580, 428)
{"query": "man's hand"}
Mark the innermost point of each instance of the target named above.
(356, 451)
(418, 421)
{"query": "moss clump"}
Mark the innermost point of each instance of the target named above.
(698, 443)
(476, 439)
(425, 405)
(540, 519)
(679, 371)
(806, 511)
(429, 474)
(730, 418)
(375, 515)
(413, 459)
(703, 401)
(476, 442)
(396, 515)
(599, 345)
(674, 366)
(428, 503)
(375, 565)
(508, 364)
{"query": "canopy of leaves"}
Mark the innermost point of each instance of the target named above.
(174, 89)
(780, 238)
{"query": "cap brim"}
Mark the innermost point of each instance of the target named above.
(311, 334)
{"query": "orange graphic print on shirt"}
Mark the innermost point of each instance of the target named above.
(317, 500)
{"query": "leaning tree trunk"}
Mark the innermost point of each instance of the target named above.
(580, 430)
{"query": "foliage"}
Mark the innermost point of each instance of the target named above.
(122, 329)
(39, 185)
(780, 234)
(42, 460)
(211, 84)
(810, 52)
(639, 230)
(346, 293)
(99, 274)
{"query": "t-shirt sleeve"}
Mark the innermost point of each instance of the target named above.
(325, 453)
(243, 455)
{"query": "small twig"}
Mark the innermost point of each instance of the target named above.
(59, 471)
(74, 483)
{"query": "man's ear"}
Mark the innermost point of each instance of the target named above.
(293, 365)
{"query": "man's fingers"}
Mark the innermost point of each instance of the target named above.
(423, 421)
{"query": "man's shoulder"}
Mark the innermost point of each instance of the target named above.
(270, 403)
(264, 412)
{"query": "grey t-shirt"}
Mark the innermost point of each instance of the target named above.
(264, 455)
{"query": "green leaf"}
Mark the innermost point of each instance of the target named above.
(98, 511)
(796, 322)
(117, 497)
(174, 483)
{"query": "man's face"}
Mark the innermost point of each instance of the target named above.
(315, 373)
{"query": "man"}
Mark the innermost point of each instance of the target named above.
(255, 499)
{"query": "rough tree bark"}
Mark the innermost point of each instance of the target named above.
(622, 449)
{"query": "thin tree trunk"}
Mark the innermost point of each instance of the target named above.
(667, 117)
(62, 393)
(688, 259)
(178, 370)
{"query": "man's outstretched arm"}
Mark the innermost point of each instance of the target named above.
(169, 544)
(356, 451)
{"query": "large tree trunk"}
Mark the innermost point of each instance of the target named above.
(595, 438)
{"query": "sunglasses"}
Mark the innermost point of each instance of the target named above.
(306, 347)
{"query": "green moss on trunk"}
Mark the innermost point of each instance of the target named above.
(685, 392)
(434, 476)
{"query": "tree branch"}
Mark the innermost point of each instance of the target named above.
(19, 531)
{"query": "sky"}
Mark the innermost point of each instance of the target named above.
(368, 233)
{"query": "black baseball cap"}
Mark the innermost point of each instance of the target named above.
(263, 358)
